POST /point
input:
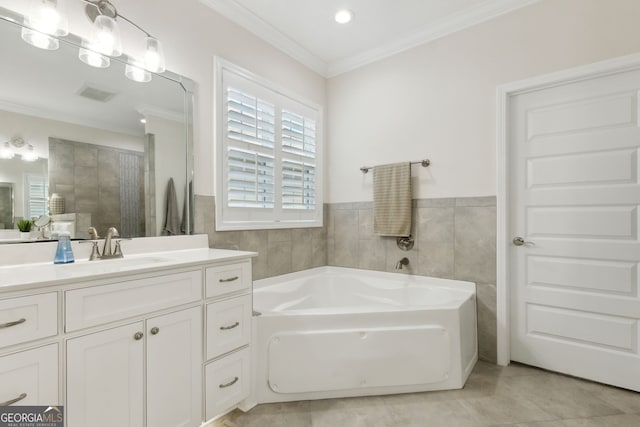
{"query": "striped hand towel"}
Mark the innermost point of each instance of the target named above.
(392, 199)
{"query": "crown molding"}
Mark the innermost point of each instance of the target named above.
(457, 22)
(267, 32)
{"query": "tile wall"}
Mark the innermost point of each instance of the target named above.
(280, 251)
(454, 238)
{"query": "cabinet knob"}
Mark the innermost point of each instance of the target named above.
(155, 330)
(138, 336)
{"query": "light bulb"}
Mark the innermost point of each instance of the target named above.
(30, 155)
(6, 152)
(137, 73)
(105, 36)
(153, 56)
(39, 40)
(48, 17)
(344, 16)
(92, 58)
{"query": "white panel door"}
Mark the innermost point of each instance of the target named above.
(575, 196)
(174, 369)
(105, 378)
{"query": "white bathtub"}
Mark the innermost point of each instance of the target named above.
(337, 332)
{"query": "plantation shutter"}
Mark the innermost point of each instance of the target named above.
(299, 160)
(37, 190)
(250, 151)
(268, 156)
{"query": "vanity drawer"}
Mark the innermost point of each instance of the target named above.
(97, 305)
(28, 318)
(228, 325)
(30, 377)
(225, 279)
(227, 382)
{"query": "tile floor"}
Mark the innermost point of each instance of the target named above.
(516, 396)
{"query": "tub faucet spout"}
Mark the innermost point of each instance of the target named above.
(403, 261)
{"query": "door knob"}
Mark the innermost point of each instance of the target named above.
(138, 336)
(519, 241)
(155, 330)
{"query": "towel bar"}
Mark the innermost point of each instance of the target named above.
(424, 163)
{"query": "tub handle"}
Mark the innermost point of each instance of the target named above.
(226, 328)
(12, 401)
(230, 383)
(14, 323)
(230, 279)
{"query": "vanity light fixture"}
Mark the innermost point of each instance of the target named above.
(46, 20)
(344, 16)
(9, 148)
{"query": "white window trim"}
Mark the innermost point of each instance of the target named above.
(223, 223)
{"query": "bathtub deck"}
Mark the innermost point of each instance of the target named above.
(516, 396)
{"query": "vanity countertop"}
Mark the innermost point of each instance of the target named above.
(45, 274)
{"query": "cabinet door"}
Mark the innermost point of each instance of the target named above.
(30, 377)
(174, 369)
(105, 377)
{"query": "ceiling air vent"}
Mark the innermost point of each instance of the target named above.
(92, 92)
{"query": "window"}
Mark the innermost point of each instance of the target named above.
(268, 157)
(36, 190)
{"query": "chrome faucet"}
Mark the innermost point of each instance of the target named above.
(403, 261)
(106, 250)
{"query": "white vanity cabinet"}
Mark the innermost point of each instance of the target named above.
(29, 377)
(129, 346)
(228, 335)
(152, 365)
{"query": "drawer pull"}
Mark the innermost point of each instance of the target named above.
(230, 279)
(10, 324)
(230, 383)
(19, 398)
(138, 336)
(155, 330)
(226, 328)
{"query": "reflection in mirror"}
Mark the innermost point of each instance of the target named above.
(106, 146)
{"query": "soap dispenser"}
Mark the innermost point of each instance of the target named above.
(64, 253)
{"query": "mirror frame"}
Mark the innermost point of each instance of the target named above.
(187, 85)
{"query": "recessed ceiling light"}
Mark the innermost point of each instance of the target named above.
(143, 120)
(344, 16)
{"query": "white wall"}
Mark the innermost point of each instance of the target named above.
(36, 131)
(438, 100)
(169, 163)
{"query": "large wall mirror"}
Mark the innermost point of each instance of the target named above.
(106, 148)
